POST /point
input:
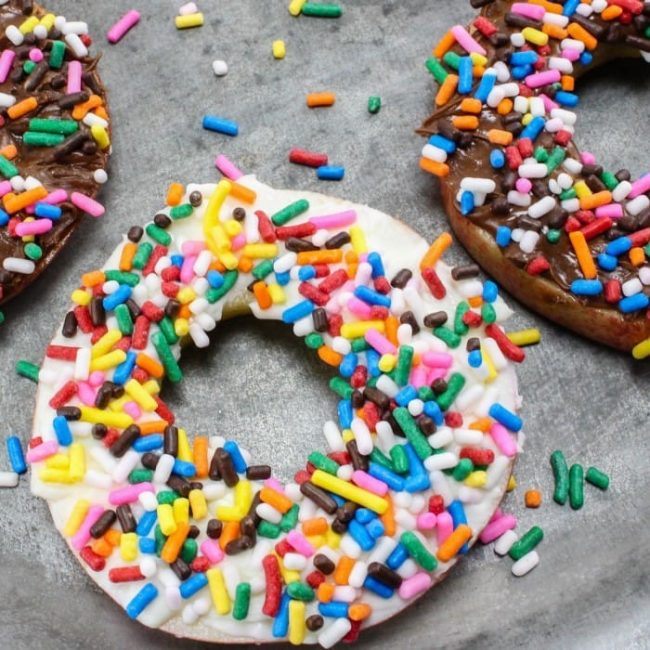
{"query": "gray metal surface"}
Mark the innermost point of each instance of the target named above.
(592, 587)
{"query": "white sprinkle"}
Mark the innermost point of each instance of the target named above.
(14, 35)
(17, 183)
(503, 544)
(220, 68)
(148, 566)
(75, 27)
(446, 460)
(100, 176)
(541, 207)
(525, 564)
(187, 9)
(18, 265)
(6, 100)
(432, 153)
(415, 407)
(202, 605)
(637, 205)
(8, 479)
(533, 170)
(529, 241)
(631, 287)
(76, 45)
(40, 32)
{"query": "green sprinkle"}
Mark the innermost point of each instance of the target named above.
(436, 69)
(455, 384)
(242, 601)
(33, 251)
(540, 155)
(292, 210)
(27, 370)
(142, 255)
(378, 456)
(124, 320)
(123, 277)
(527, 543)
(460, 327)
(412, 432)
(452, 60)
(321, 461)
(568, 194)
(39, 139)
(57, 54)
(609, 180)
(2, 317)
(403, 367)
(426, 394)
(268, 530)
(172, 369)
(314, 340)
(167, 328)
(553, 236)
(359, 345)
(263, 269)
(464, 468)
(159, 235)
(181, 211)
(166, 497)
(141, 475)
(63, 127)
(576, 486)
(28, 67)
(212, 295)
(488, 313)
(561, 476)
(448, 336)
(160, 539)
(399, 458)
(7, 169)
(341, 387)
(300, 591)
(597, 478)
(418, 551)
(289, 519)
(555, 159)
(322, 11)
(374, 104)
(189, 550)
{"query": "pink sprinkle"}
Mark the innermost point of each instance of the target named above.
(42, 451)
(238, 241)
(274, 484)
(36, 55)
(227, 168)
(129, 20)
(87, 393)
(336, 220)
(212, 551)
(613, 211)
(187, 269)
(498, 513)
(87, 204)
(543, 78)
(379, 342)
(128, 494)
(193, 247)
(503, 440)
(549, 104)
(436, 373)
(587, 158)
(464, 39)
(523, 185)
(444, 526)
(359, 308)
(418, 377)
(530, 11)
(437, 359)
(640, 186)
(426, 521)
(96, 378)
(300, 543)
(187, 9)
(82, 536)
(571, 54)
(5, 188)
(133, 410)
(370, 483)
(37, 227)
(6, 61)
(414, 585)
(496, 528)
(74, 77)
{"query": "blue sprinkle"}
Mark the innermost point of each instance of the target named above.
(146, 522)
(475, 359)
(497, 159)
(236, 456)
(330, 173)
(570, 7)
(177, 260)
(533, 129)
(62, 431)
(586, 58)
(372, 361)
(360, 535)
(193, 584)
(124, 370)
(295, 313)
(220, 125)
(383, 474)
(375, 261)
(504, 235)
(47, 211)
(184, 468)
(417, 483)
(458, 517)
(147, 545)
(215, 279)
(432, 410)
(141, 600)
(283, 279)
(364, 516)
(148, 443)
(340, 501)
(521, 71)
(443, 143)
(121, 295)
(618, 246)
(16, 456)
(306, 273)
(465, 76)
(586, 287)
(525, 57)
(4, 218)
(634, 303)
(405, 395)
(372, 297)
(345, 413)
(281, 621)
(466, 203)
(505, 417)
(333, 609)
(490, 291)
(397, 557)
(348, 364)
(566, 99)
(607, 262)
(375, 528)
(488, 80)
(379, 588)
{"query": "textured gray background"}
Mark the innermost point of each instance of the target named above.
(591, 589)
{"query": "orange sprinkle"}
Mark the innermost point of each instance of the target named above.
(444, 45)
(175, 193)
(359, 611)
(320, 99)
(497, 136)
(21, 108)
(174, 543)
(329, 356)
(478, 71)
(475, 301)
(333, 256)
(471, 105)
(242, 193)
(184, 312)
(585, 260)
(245, 264)
(551, 7)
(581, 34)
(465, 122)
(15, 202)
(611, 13)
(555, 31)
(93, 278)
(276, 499)
(450, 547)
(483, 424)
(112, 536)
(316, 526)
(80, 110)
(325, 592)
(392, 325)
(230, 531)
(127, 255)
(9, 152)
(100, 111)
(101, 547)
(433, 167)
(568, 82)
(343, 569)
(594, 201)
(533, 498)
(153, 426)
(262, 295)
(637, 256)
(200, 456)
(437, 248)
(447, 89)
(505, 106)
(149, 364)
(388, 519)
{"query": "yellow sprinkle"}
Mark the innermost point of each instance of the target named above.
(108, 361)
(105, 343)
(211, 215)
(260, 251)
(181, 327)
(184, 449)
(232, 227)
(80, 297)
(29, 25)
(476, 479)
(100, 135)
(129, 546)
(347, 435)
(525, 337)
(527, 119)
(186, 295)
(218, 591)
(333, 539)
(152, 387)
(387, 362)
(198, 504)
(138, 394)
(295, 7)
(296, 622)
(76, 517)
(641, 350)
(58, 461)
(96, 416)
(277, 294)
(512, 483)
(349, 491)
(181, 509)
(117, 405)
(316, 540)
(358, 240)
(489, 364)
(358, 330)
(189, 20)
(55, 476)
(279, 49)
(243, 495)
(220, 236)
(478, 59)
(77, 468)
(48, 21)
(534, 36)
(582, 189)
(288, 575)
(229, 513)
(228, 260)
(166, 519)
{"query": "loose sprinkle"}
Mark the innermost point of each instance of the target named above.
(220, 68)
(374, 104)
(279, 49)
(123, 25)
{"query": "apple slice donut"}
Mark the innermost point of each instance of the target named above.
(183, 530)
(565, 236)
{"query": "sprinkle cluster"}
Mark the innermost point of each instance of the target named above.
(507, 97)
(417, 462)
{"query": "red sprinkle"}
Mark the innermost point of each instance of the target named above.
(507, 347)
(273, 581)
(301, 230)
(436, 287)
(125, 574)
(94, 561)
(264, 225)
(64, 395)
(307, 158)
(62, 352)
